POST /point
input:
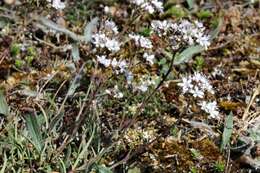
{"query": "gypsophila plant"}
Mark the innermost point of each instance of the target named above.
(114, 72)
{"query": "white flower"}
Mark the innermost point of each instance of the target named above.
(203, 82)
(196, 85)
(106, 9)
(198, 77)
(129, 77)
(117, 92)
(186, 84)
(158, 5)
(99, 40)
(110, 25)
(114, 63)
(119, 95)
(138, 2)
(192, 32)
(149, 58)
(148, 7)
(143, 87)
(112, 45)
(203, 40)
(102, 60)
(199, 24)
(122, 64)
(141, 41)
(196, 92)
(210, 108)
(58, 4)
(217, 72)
(161, 27)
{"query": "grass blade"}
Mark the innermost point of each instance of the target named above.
(75, 52)
(227, 131)
(4, 109)
(34, 131)
(4, 164)
(89, 28)
(187, 54)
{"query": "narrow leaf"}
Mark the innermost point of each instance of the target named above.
(134, 170)
(74, 85)
(187, 54)
(4, 165)
(4, 109)
(89, 28)
(227, 131)
(103, 169)
(190, 3)
(75, 52)
(34, 131)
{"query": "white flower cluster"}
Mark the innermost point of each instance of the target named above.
(115, 92)
(198, 85)
(111, 26)
(149, 58)
(57, 4)
(121, 65)
(189, 32)
(149, 5)
(101, 40)
(161, 27)
(141, 41)
(211, 108)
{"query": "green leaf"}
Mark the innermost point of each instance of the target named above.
(74, 85)
(162, 61)
(134, 170)
(227, 131)
(75, 52)
(103, 169)
(187, 54)
(146, 32)
(190, 3)
(34, 131)
(89, 28)
(4, 109)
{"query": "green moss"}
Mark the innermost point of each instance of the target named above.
(176, 11)
(219, 166)
(29, 59)
(199, 62)
(146, 32)
(19, 63)
(202, 14)
(31, 51)
(15, 49)
(193, 170)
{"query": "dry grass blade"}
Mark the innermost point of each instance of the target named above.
(4, 109)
